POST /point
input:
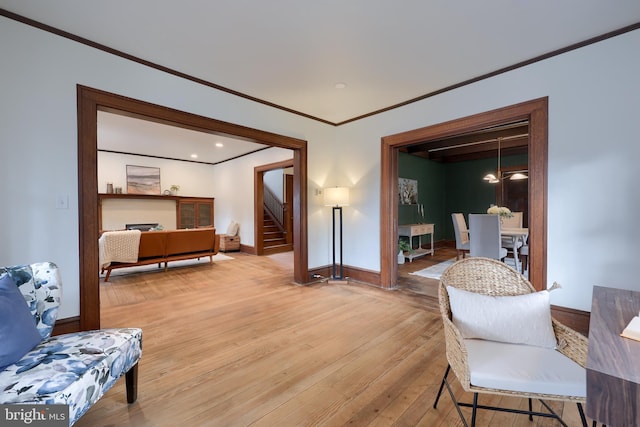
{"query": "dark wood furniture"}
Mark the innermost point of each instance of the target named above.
(195, 212)
(613, 362)
(191, 212)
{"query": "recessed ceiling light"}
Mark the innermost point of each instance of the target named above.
(194, 156)
(219, 144)
(340, 85)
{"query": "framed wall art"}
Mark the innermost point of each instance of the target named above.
(143, 180)
(408, 191)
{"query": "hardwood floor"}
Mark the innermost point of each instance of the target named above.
(238, 344)
(422, 285)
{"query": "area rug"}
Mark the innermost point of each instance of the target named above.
(435, 271)
(182, 263)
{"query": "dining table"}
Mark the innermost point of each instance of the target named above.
(517, 235)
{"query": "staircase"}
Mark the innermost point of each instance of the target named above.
(273, 239)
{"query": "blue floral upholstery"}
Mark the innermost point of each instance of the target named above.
(74, 369)
(41, 287)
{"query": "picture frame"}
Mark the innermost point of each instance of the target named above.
(143, 180)
(407, 191)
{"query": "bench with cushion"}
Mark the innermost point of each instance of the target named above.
(74, 369)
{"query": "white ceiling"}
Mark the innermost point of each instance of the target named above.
(124, 134)
(292, 52)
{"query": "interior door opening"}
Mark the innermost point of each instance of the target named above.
(536, 114)
(89, 102)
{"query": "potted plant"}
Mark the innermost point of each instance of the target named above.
(403, 246)
(174, 189)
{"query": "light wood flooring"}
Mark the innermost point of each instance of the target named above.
(238, 344)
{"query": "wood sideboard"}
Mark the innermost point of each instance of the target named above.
(613, 362)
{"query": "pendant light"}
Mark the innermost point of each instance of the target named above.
(493, 179)
(513, 176)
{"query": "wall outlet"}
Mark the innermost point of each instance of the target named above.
(62, 201)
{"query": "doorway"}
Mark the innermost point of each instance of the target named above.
(287, 214)
(89, 102)
(536, 113)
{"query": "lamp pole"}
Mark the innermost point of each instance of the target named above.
(333, 273)
(336, 197)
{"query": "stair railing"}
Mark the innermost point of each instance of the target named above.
(275, 208)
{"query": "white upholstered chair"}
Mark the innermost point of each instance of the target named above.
(515, 221)
(462, 234)
(484, 239)
(501, 339)
(524, 252)
(509, 243)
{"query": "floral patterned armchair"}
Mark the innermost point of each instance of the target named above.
(74, 369)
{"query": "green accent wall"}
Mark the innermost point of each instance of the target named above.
(445, 188)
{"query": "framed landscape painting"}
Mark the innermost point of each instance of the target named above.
(143, 180)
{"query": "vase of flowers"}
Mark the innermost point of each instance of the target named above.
(503, 211)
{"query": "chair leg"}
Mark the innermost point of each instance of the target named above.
(444, 379)
(131, 380)
(582, 417)
(530, 409)
(474, 410)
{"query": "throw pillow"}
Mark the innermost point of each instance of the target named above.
(18, 333)
(233, 229)
(520, 319)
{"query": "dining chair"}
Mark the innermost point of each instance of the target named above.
(484, 237)
(524, 252)
(510, 243)
(462, 234)
(515, 221)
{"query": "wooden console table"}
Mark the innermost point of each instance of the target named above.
(613, 362)
(410, 230)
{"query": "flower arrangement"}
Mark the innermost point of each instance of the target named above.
(503, 211)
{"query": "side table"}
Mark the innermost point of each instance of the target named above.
(411, 230)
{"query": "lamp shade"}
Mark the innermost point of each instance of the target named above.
(517, 176)
(336, 196)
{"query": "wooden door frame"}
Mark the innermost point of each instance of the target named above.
(89, 102)
(258, 200)
(536, 112)
(288, 200)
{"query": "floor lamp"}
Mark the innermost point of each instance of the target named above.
(336, 197)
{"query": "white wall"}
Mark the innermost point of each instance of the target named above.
(235, 187)
(194, 179)
(38, 134)
(594, 128)
(593, 99)
(274, 180)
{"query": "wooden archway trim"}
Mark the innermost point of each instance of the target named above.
(258, 199)
(536, 112)
(90, 101)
